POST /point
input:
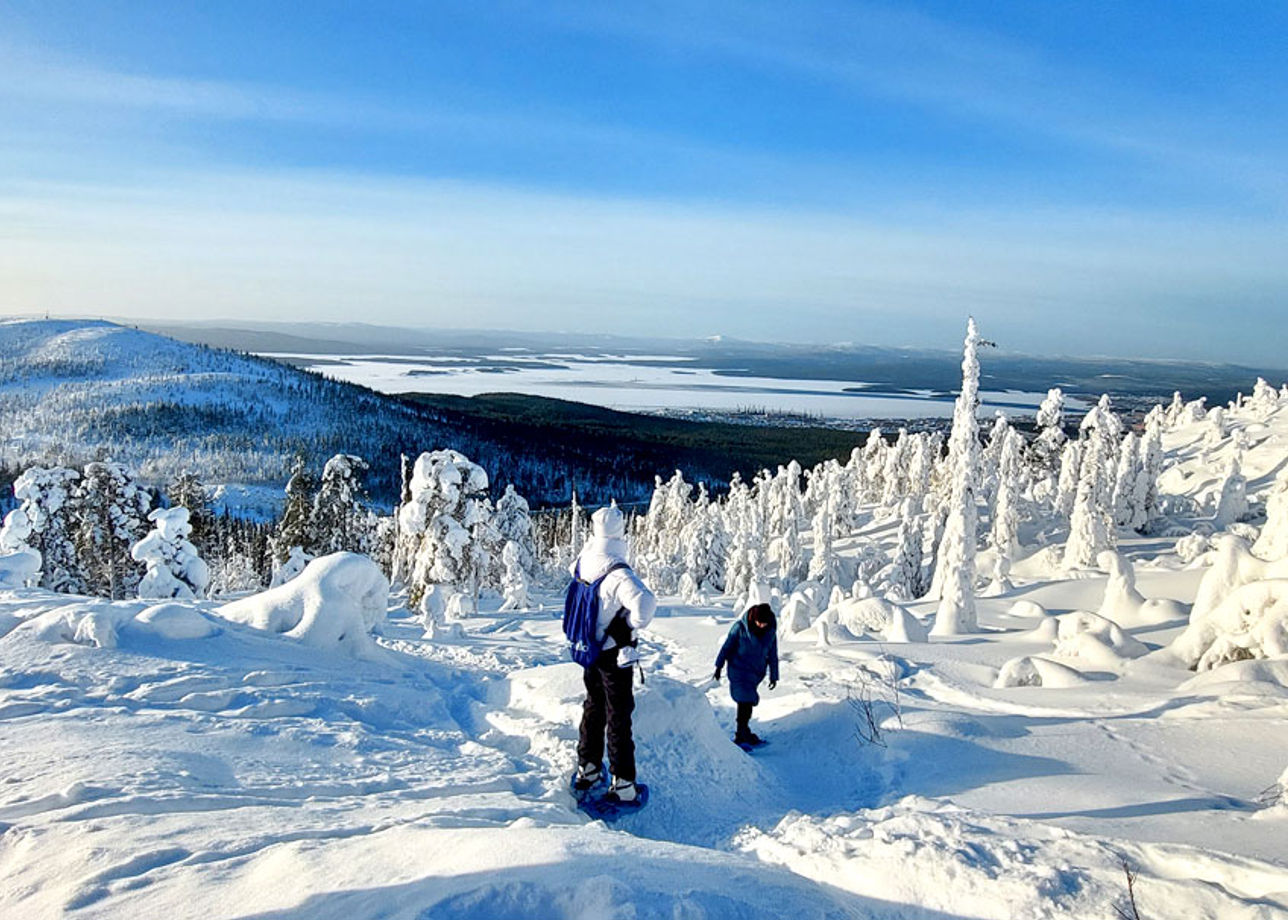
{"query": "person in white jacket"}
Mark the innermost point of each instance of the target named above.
(625, 605)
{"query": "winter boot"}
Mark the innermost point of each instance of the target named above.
(588, 776)
(623, 790)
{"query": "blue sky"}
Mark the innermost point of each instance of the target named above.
(1087, 177)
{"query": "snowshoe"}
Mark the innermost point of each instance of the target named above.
(601, 806)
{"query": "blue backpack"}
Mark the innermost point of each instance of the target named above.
(581, 616)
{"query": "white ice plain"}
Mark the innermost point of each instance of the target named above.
(308, 752)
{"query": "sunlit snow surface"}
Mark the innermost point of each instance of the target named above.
(641, 383)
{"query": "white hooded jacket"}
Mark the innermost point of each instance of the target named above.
(621, 589)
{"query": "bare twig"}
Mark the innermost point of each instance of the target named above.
(1130, 911)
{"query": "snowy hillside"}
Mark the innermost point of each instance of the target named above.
(270, 758)
(76, 390)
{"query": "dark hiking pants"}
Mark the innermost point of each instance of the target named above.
(610, 699)
(744, 718)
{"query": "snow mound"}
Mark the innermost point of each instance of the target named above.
(19, 568)
(873, 616)
(334, 603)
(1123, 602)
(93, 624)
(1233, 566)
(1258, 676)
(1034, 671)
(1097, 639)
(1252, 622)
(175, 621)
(797, 615)
(1029, 610)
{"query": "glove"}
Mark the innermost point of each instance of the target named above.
(773, 684)
(716, 676)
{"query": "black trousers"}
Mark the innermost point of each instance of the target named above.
(610, 700)
(744, 716)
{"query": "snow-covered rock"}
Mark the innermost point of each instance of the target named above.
(334, 603)
(1087, 635)
(1035, 671)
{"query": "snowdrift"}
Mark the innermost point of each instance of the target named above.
(334, 603)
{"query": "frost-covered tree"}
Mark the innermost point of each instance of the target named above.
(111, 508)
(1151, 465)
(233, 572)
(47, 497)
(514, 583)
(1050, 422)
(1272, 543)
(1232, 501)
(1004, 531)
(955, 571)
(824, 563)
(295, 529)
(513, 523)
(19, 562)
(447, 511)
(1066, 492)
(340, 521)
(174, 567)
(1090, 523)
(905, 581)
(187, 491)
(295, 563)
(1125, 478)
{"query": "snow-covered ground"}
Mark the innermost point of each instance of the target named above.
(192, 766)
(270, 757)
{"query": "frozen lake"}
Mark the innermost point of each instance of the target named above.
(642, 383)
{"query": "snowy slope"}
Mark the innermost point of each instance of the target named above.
(249, 773)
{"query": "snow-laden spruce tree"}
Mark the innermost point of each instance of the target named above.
(990, 457)
(1066, 491)
(174, 567)
(1004, 532)
(1272, 543)
(295, 529)
(340, 521)
(1151, 465)
(47, 494)
(904, 581)
(925, 450)
(446, 512)
(1050, 422)
(112, 509)
(955, 572)
(895, 473)
(233, 572)
(1264, 400)
(514, 583)
(1232, 502)
(1090, 523)
(513, 523)
(824, 563)
(187, 491)
(19, 562)
(1125, 479)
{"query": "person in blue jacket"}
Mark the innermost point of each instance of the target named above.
(749, 650)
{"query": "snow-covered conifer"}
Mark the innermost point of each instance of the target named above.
(956, 559)
(1050, 419)
(340, 520)
(19, 562)
(1272, 543)
(1090, 523)
(112, 508)
(1232, 502)
(824, 563)
(295, 529)
(905, 581)
(514, 583)
(295, 562)
(47, 496)
(1126, 476)
(1005, 524)
(174, 567)
(513, 523)
(1067, 487)
(187, 491)
(446, 504)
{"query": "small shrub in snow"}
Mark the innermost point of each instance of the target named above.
(173, 567)
(1192, 546)
(295, 563)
